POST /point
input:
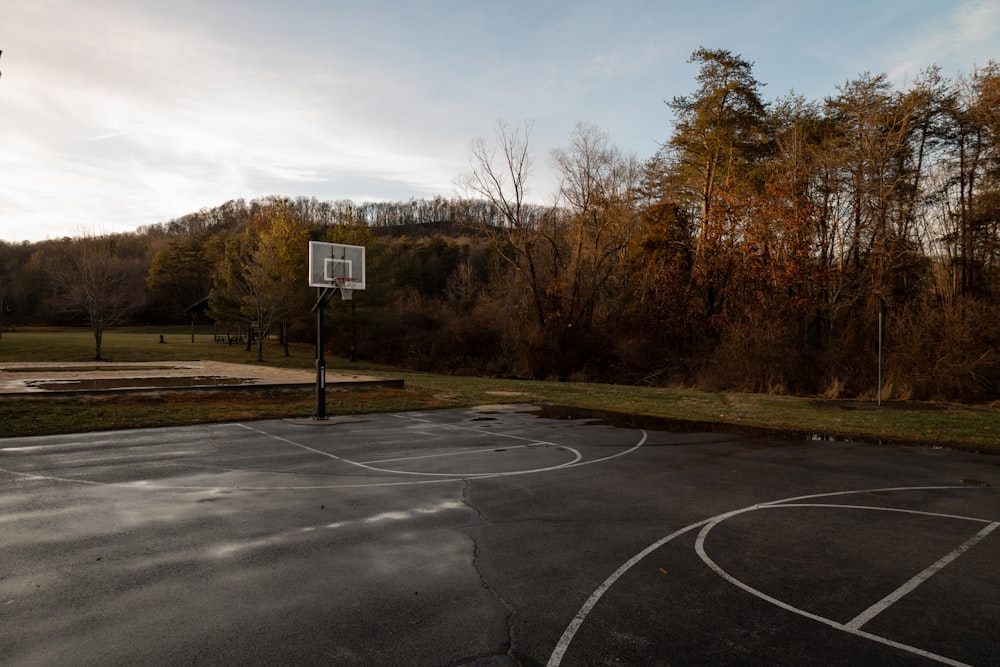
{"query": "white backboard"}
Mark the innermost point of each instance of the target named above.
(330, 263)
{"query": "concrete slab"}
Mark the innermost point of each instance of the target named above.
(40, 379)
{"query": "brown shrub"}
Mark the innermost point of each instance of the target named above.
(761, 355)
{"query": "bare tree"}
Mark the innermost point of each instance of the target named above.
(566, 253)
(95, 281)
(500, 176)
(599, 186)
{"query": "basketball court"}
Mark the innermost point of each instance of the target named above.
(500, 535)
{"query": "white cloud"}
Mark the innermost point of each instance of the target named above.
(977, 22)
(966, 38)
(119, 113)
(124, 119)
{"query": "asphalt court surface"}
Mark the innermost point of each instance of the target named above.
(492, 536)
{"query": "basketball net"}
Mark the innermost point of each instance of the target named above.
(346, 287)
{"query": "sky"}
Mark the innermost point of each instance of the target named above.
(116, 114)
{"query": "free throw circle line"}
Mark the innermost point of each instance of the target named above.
(853, 627)
(465, 475)
(631, 449)
(464, 452)
(555, 659)
(533, 441)
(472, 429)
(364, 466)
(145, 484)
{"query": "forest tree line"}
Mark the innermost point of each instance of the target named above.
(757, 250)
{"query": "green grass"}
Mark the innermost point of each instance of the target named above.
(975, 427)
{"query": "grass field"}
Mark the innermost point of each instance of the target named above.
(976, 427)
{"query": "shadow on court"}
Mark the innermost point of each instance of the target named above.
(494, 536)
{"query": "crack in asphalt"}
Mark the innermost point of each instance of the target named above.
(507, 649)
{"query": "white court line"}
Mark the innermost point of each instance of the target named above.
(29, 475)
(571, 630)
(631, 449)
(473, 475)
(103, 444)
(146, 484)
(877, 508)
(532, 441)
(441, 477)
(434, 456)
(292, 442)
(458, 475)
(445, 478)
(567, 636)
(848, 627)
(35, 448)
(472, 429)
(906, 588)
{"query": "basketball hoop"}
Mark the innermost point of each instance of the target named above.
(346, 287)
(332, 266)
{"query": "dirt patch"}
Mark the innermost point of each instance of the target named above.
(35, 378)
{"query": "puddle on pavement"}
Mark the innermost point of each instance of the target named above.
(98, 384)
(622, 420)
(763, 436)
(81, 369)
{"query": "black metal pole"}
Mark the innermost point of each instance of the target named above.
(320, 364)
(322, 298)
(880, 358)
(354, 336)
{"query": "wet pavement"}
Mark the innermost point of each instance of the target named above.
(492, 536)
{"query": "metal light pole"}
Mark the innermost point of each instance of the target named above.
(880, 358)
